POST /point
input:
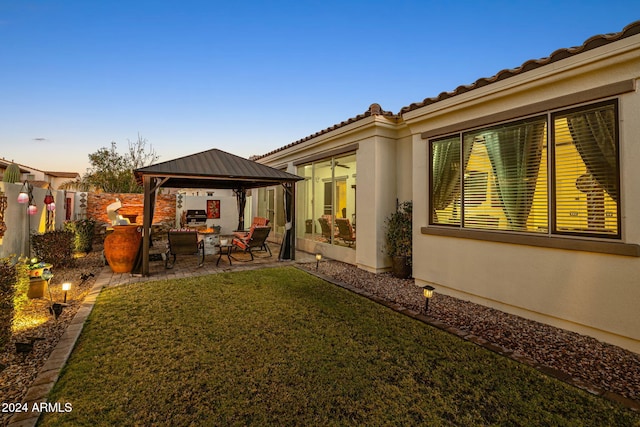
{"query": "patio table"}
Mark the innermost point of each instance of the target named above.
(224, 250)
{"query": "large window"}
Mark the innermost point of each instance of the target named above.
(554, 173)
(327, 200)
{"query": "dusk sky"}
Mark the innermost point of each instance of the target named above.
(248, 77)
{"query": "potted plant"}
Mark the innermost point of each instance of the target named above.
(399, 242)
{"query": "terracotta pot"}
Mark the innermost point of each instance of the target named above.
(121, 247)
(37, 288)
(400, 267)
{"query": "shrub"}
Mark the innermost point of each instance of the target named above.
(399, 232)
(20, 298)
(54, 247)
(7, 282)
(83, 230)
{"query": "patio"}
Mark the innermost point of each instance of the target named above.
(187, 265)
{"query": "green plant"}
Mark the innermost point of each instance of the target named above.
(398, 235)
(84, 231)
(21, 289)
(54, 247)
(11, 173)
(7, 281)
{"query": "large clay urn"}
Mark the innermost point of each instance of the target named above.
(121, 247)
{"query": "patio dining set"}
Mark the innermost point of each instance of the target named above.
(193, 242)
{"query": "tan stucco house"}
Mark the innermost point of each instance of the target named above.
(525, 185)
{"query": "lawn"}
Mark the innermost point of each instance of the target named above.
(281, 347)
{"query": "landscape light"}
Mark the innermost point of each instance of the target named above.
(65, 287)
(428, 294)
(318, 258)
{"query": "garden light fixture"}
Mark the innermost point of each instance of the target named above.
(66, 287)
(25, 193)
(318, 258)
(428, 294)
(49, 201)
(23, 197)
(56, 309)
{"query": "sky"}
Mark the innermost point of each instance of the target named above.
(248, 77)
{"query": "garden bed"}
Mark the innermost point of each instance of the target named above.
(17, 370)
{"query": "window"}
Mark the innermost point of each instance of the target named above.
(326, 195)
(554, 173)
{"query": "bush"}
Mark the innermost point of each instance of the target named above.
(54, 247)
(83, 230)
(7, 283)
(20, 298)
(399, 232)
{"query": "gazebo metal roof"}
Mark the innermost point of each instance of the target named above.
(214, 169)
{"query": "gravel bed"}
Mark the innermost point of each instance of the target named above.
(605, 366)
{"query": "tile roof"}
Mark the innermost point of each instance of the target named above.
(374, 109)
(532, 64)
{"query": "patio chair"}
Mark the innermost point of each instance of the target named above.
(327, 227)
(257, 239)
(258, 221)
(183, 243)
(345, 231)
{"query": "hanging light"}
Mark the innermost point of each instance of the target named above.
(23, 197)
(48, 199)
(32, 209)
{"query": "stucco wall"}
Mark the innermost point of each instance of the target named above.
(592, 293)
(19, 224)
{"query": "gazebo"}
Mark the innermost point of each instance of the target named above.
(215, 169)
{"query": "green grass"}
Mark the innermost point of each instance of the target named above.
(281, 347)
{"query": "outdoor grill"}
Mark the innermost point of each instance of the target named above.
(196, 217)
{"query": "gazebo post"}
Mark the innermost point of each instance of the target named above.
(146, 224)
(288, 248)
(241, 198)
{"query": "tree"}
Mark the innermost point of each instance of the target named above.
(112, 172)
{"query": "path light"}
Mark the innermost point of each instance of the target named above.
(318, 258)
(65, 287)
(428, 294)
